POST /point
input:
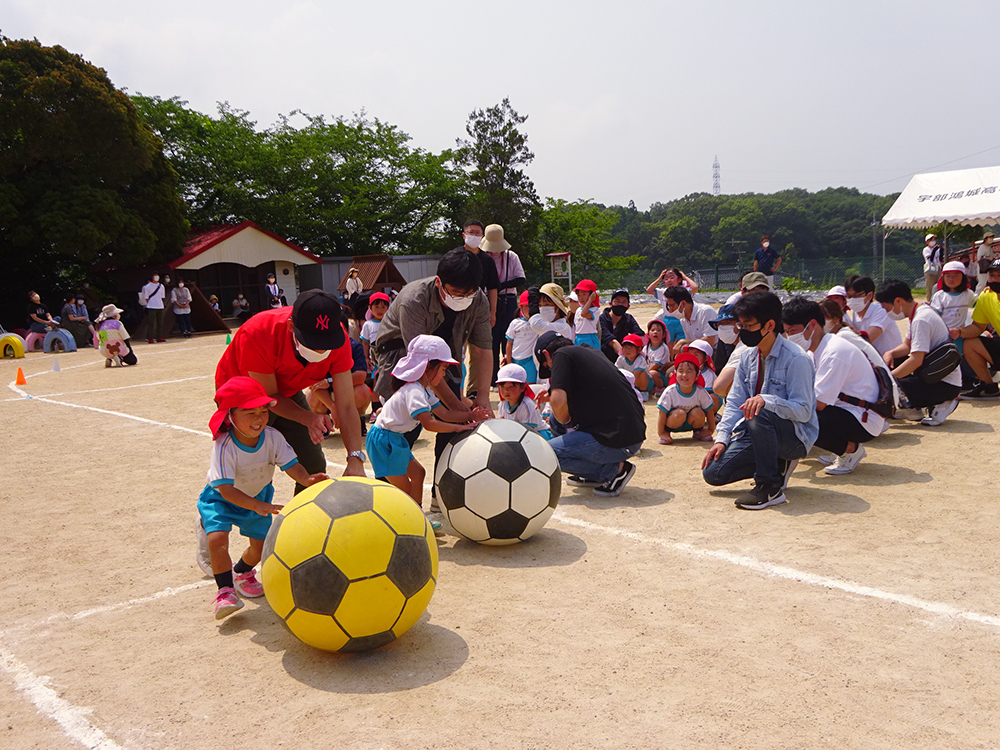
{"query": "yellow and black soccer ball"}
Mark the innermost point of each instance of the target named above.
(349, 564)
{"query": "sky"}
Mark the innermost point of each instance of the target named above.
(625, 101)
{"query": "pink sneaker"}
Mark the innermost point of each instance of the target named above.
(248, 585)
(226, 603)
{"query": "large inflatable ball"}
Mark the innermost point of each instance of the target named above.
(500, 484)
(349, 564)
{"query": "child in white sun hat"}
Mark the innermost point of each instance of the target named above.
(412, 403)
(516, 402)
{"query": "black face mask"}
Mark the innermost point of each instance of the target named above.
(995, 286)
(751, 338)
(618, 310)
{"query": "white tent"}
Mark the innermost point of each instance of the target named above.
(964, 196)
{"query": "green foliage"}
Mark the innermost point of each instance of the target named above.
(580, 227)
(82, 180)
(499, 192)
(341, 187)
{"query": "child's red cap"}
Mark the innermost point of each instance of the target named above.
(687, 357)
(586, 285)
(634, 339)
(237, 393)
(378, 297)
(523, 299)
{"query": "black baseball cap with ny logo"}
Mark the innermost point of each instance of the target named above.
(316, 321)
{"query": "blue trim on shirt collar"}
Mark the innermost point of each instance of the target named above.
(246, 449)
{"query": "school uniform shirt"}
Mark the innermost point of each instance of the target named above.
(399, 414)
(264, 344)
(561, 326)
(708, 375)
(843, 368)
(637, 364)
(522, 339)
(369, 330)
(583, 326)
(249, 469)
(954, 307)
(658, 356)
(674, 398)
(697, 327)
(927, 332)
(525, 413)
(876, 317)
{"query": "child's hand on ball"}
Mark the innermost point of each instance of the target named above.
(480, 414)
(313, 478)
(269, 509)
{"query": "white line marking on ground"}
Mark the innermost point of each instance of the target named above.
(790, 574)
(118, 388)
(72, 719)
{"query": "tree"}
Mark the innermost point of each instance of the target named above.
(499, 190)
(83, 181)
(581, 228)
(340, 187)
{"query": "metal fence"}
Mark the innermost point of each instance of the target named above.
(796, 274)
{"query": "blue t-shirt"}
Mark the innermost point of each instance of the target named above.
(766, 259)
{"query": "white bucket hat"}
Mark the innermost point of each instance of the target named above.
(953, 265)
(109, 311)
(837, 291)
(422, 350)
(512, 374)
(702, 346)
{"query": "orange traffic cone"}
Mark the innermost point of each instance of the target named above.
(20, 377)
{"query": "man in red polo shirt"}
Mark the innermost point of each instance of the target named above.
(288, 350)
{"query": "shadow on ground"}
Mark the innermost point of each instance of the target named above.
(631, 497)
(548, 548)
(426, 654)
(804, 500)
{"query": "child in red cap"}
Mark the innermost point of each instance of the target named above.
(685, 404)
(238, 491)
(585, 319)
(378, 305)
(631, 359)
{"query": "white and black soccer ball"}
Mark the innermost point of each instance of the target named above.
(499, 485)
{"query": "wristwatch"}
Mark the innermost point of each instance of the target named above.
(359, 455)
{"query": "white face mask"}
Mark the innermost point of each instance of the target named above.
(180, 284)
(765, 245)
(156, 279)
(897, 315)
(828, 326)
(472, 240)
(457, 303)
(309, 355)
(856, 304)
(675, 314)
(548, 314)
(728, 334)
(800, 340)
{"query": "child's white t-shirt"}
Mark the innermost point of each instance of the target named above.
(522, 339)
(954, 308)
(876, 317)
(399, 413)
(639, 363)
(708, 374)
(369, 330)
(561, 326)
(582, 325)
(249, 469)
(658, 356)
(526, 413)
(673, 398)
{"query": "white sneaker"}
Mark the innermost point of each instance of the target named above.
(911, 415)
(847, 463)
(829, 459)
(940, 413)
(204, 558)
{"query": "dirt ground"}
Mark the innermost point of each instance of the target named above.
(863, 613)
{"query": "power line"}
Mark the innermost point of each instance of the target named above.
(926, 169)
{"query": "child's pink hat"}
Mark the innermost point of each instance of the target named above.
(421, 350)
(523, 299)
(240, 392)
(379, 297)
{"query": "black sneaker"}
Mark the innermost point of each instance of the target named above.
(616, 485)
(761, 497)
(787, 466)
(983, 390)
(575, 480)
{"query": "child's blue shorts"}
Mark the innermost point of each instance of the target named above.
(388, 451)
(528, 363)
(588, 339)
(218, 514)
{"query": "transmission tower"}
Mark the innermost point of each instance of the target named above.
(716, 181)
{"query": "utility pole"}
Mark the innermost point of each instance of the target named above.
(716, 179)
(739, 250)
